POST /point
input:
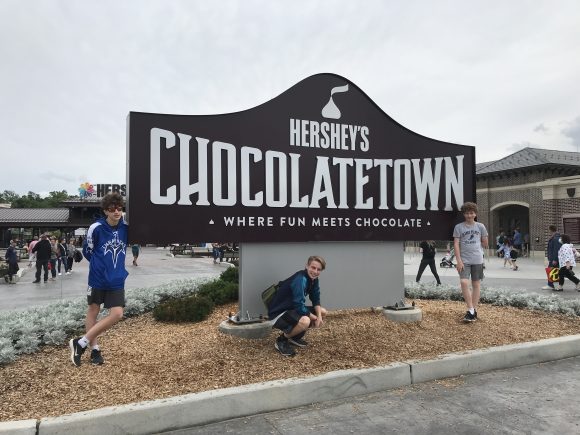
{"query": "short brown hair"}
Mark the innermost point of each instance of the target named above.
(317, 258)
(112, 199)
(469, 206)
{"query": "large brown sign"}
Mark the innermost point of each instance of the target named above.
(320, 162)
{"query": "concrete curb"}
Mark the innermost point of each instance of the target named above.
(211, 406)
(218, 405)
(502, 357)
(19, 427)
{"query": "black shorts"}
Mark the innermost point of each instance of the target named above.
(289, 319)
(110, 298)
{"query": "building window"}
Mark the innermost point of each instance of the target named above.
(572, 227)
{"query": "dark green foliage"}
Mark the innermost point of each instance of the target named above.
(220, 292)
(231, 274)
(190, 309)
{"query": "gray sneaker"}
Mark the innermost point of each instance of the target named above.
(283, 346)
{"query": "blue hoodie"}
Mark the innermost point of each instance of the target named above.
(104, 248)
(292, 292)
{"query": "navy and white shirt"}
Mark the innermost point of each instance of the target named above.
(105, 248)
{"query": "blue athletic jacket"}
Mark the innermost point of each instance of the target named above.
(104, 248)
(292, 292)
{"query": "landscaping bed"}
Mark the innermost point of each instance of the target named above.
(146, 359)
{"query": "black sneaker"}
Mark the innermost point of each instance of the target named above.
(96, 357)
(76, 351)
(298, 341)
(469, 317)
(283, 346)
(36, 281)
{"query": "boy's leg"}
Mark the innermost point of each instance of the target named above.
(91, 320)
(301, 327)
(466, 292)
(475, 293)
(115, 314)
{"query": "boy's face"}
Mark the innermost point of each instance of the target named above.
(469, 215)
(313, 269)
(114, 213)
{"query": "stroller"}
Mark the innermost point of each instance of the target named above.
(447, 261)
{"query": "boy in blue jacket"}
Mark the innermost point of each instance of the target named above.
(288, 310)
(104, 248)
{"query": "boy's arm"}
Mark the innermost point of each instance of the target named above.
(485, 242)
(457, 254)
(297, 288)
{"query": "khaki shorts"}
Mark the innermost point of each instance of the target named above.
(473, 271)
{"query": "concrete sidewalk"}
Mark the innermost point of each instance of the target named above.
(156, 267)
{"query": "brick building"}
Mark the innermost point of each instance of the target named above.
(530, 189)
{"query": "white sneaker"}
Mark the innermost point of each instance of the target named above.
(59, 274)
(547, 287)
(68, 273)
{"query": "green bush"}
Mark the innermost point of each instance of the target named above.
(220, 292)
(231, 274)
(190, 309)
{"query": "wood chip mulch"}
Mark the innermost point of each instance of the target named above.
(145, 359)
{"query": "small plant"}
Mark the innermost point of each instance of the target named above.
(220, 292)
(231, 274)
(190, 309)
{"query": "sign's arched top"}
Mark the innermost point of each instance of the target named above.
(319, 162)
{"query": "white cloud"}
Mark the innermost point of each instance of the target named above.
(476, 73)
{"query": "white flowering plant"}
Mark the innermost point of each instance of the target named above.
(23, 332)
(501, 296)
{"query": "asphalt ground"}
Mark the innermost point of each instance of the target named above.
(533, 399)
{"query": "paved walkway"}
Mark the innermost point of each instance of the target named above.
(535, 399)
(155, 267)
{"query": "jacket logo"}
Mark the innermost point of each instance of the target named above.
(114, 247)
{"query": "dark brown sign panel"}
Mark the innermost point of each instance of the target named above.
(320, 162)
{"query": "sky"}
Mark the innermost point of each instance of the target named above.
(496, 75)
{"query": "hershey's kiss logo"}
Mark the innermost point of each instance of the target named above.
(331, 110)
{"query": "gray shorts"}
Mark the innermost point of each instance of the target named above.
(475, 271)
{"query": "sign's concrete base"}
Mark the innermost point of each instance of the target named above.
(248, 330)
(404, 316)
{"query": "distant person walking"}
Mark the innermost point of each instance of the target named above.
(32, 255)
(469, 237)
(135, 249)
(62, 257)
(12, 259)
(554, 245)
(43, 251)
(428, 250)
(70, 255)
(567, 259)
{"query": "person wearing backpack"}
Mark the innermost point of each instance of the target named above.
(288, 310)
(428, 249)
(554, 245)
